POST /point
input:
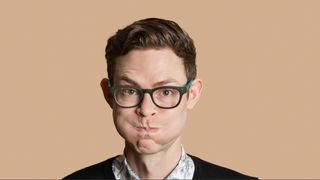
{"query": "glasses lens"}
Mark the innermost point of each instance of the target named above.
(166, 97)
(127, 96)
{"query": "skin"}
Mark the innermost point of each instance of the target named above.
(152, 135)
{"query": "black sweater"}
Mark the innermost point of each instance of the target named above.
(203, 170)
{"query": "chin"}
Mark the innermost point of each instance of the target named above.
(147, 146)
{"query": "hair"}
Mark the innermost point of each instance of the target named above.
(152, 33)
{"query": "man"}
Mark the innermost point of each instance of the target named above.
(152, 84)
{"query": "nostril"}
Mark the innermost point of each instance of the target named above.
(138, 111)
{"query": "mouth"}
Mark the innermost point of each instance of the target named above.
(147, 129)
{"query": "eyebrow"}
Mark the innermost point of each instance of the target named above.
(128, 80)
(166, 81)
(157, 84)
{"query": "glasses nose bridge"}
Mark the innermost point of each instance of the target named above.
(148, 91)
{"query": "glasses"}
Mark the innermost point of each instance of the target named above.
(165, 97)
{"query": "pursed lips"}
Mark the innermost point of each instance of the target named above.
(147, 129)
(145, 126)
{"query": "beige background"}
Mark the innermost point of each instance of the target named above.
(259, 113)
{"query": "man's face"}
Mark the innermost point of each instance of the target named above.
(147, 128)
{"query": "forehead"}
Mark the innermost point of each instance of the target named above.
(150, 65)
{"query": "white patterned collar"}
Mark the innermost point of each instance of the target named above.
(184, 170)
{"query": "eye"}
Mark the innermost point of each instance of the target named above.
(129, 91)
(166, 92)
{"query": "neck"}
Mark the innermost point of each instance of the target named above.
(157, 165)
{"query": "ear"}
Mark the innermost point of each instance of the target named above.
(106, 92)
(194, 93)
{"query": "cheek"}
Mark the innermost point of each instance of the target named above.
(121, 114)
(122, 119)
(175, 120)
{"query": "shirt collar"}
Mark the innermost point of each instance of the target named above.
(184, 170)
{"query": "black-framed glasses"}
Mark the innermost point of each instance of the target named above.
(165, 97)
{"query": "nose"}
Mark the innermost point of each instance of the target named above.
(147, 107)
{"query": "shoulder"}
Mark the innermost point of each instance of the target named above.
(102, 170)
(206, 170)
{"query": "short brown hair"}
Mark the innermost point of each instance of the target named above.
(152, 33)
